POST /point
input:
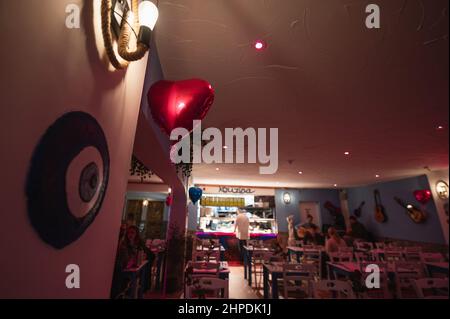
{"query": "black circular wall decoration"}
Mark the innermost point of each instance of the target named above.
(88, 183)
(47, 203)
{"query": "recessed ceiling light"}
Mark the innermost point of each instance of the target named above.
(377, 176)
(225, 147)
(259, 45)
(347, 153)
(301, 173)
(440, 127)
(217, 169)
(335, 185)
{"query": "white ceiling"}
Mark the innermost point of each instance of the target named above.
(329, 84)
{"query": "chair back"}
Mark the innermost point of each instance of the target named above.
(363, 245)
(431, 288)
(208, 288)
(206, 255)
(405, 274)
(341, 257)
(432, 257)
(333, 289)
(297, 278)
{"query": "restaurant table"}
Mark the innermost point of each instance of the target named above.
(274, 270)
(133, 274)
(248, 255)
(437, 268)
(298, 251)
(224, 272)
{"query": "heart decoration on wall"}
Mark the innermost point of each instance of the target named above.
(195, 193)
(422, 196)
(178, 104)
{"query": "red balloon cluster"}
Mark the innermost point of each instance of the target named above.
(178, 104)
(423, 196)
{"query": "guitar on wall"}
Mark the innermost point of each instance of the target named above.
(380, 211)
(417, 215)
(358, 212)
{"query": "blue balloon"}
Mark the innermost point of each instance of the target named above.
(195, 194)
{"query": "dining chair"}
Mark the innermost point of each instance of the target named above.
(314, 257)
(333, 289)
(208, 288)
(345, 249)
(258, 259)
(431, 288)
(372, 291)
(405, 273)
(297, 280)
(206, 255)
(432, 257)
(363, 245)
(341, 257)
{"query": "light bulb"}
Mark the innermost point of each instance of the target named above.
(148, 14)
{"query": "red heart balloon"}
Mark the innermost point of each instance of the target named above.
(178, 104)
(422, 196)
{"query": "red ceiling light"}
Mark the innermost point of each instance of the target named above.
(260, 45)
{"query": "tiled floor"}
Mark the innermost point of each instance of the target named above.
(239, 288)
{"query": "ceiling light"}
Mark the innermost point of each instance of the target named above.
(260, 45)
(377, 176)
(301, 173)
(440, 127)
(347, 153)
(335, 185)
(217, 169)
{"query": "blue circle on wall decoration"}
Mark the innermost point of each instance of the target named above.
(195, 193)
(47, 201)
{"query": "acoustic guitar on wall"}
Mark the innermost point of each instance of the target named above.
(380, 212)
(417, 215)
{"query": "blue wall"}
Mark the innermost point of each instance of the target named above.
(399, 225)
(303, 195)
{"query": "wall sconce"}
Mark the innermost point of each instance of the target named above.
(145, 203)
(442, 190)
(142, 16)
(287, 198)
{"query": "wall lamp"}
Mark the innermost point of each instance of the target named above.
(287, 198)
(119, 24)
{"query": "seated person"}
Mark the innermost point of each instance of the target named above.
(131, 253)
(314, 237)
(358, 230)
(302, 228)
(334, 241)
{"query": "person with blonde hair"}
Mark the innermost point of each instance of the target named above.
(334, 241)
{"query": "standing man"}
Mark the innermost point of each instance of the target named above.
(241, 228)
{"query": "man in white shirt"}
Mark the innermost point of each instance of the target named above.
(241, 228)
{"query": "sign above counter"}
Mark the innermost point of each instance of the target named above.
(237, 190)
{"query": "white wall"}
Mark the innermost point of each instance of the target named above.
(46, 71)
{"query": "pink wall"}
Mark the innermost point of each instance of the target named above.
(48, 70)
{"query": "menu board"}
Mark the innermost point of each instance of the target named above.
(222, 201)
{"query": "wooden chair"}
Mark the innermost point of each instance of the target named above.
(383, 291)
(314, 257)
(258, 259)
(432, 257)
(332, 289)
(346, 250)
(380, 245)
(412, 253)
(297, 279)
(362, 257)
(208, 288)
(393, 255)
(363, 245)
(431, 288)
(405, 274)
(255, 243)
(341, 257)
(206, 255)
